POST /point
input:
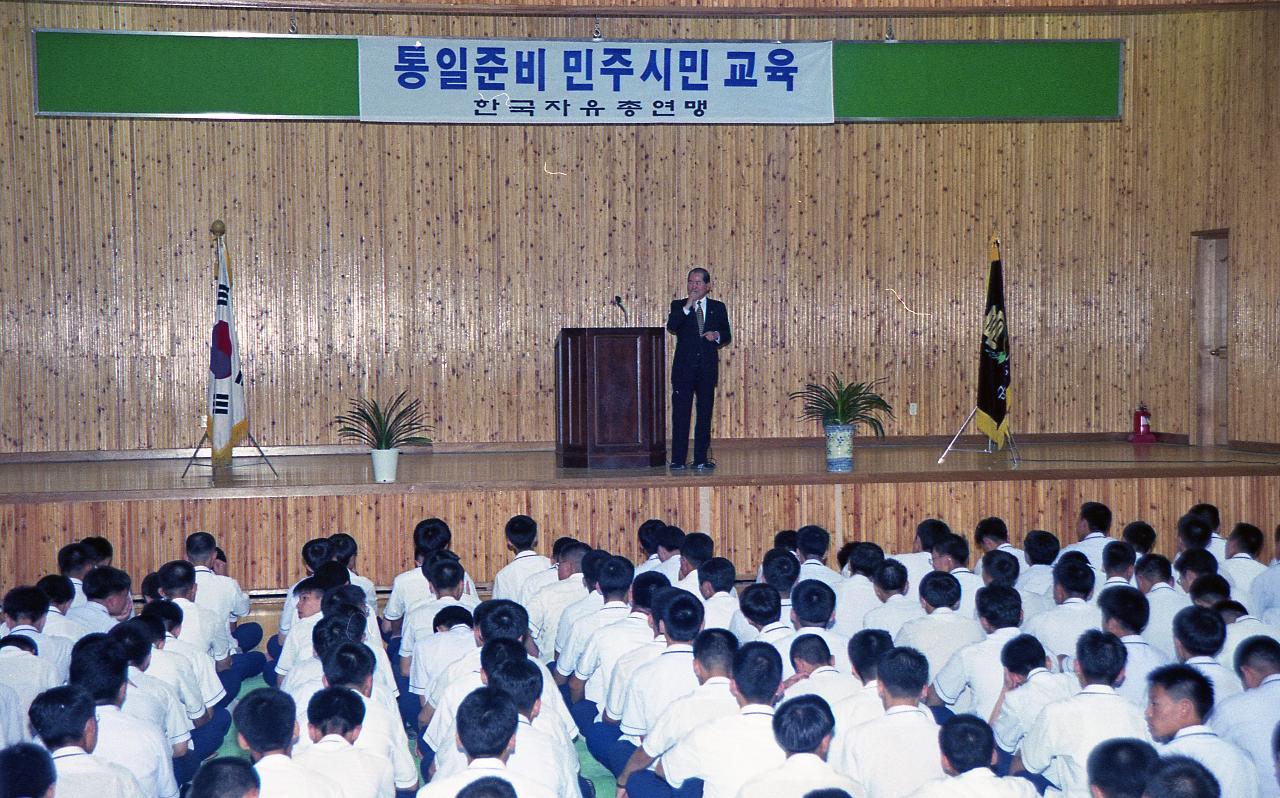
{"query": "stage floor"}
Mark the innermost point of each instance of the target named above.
(740, 464)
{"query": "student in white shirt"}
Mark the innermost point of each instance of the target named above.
(64, 720)
(345, 552)
(716, 577)
(812, 544)
(1154, 575)
(220, 594)
(1041, 549)
(946, 629)
(1059, 628)
(892, 588)
(26, 610)
(266, 727)
(968, 754)
(1193, 564)
(446, 577)
(546, 607)
(109, 599)
(780, 571)
(1243, 562)
(670, 539)
(813, 603)
(1092, 528)
(99, 665)
(1125, 614)
(26, 770)
(454, 638)
(486, 732)
(25, 672)
(584, 607)
(695, 549)
(1001, 569)
(225, 777)
(75, 561)
(334, 718)
(152, 700)
(209, 725)
(865, 649)
(732, 750)
(1181, 699)
(1140, 535)
(920, 561)
(315, 553)
(802, 728)
(409, 588)
(647, 537)
(951, 555)
(1119, 768)
(1249, 720)
(61, 593)
(1059, 742)
(1198, 635)
(1209, 591)
(541, 579)
(1118, 561)
(13, 717)
(613, 581)
(992, 534)
(815, 672)
(1211, 518)
(971, 680)
(666, 678)
(382, 733)
(521, 533)
(1029, 686)
(897, 753)
(856, 595)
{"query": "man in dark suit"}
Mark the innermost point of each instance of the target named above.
(701, 326)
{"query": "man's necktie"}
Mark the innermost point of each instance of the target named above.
(697, 311)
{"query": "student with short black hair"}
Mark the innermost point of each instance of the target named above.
(815, 671)
(266, 727)
(155, 702)
(812, 543)
(695, 549)
(581, 608)
(972, 678)
(670, 539)
(951, 555)
(453, 638)
(780, 571)
(803, 727)
(813, 604)
(1181, 700)
(920, 561)
(613, 585)
(1059, 742)
(992, 534)
(1119, 768)
(335, 716)
(716, 577)
(856, 595)
(1154, 576)
(1198, 635)
(24, 671)
(64, 720)
(1092, 529)
(1194, 532)
(1118, 560)
(108, 599)
(1249, 720)
(968, 755)
(1042, 549)
(898, 752)
(1193, 564)
(665, 678)
(1059, 628)
(865, 649)
(1125, 614)
(219, 593)
(521, 533)
(546, 607)
(61, 593)
(1181, 777)
(447, 580)
(1209, 590)
(892, 587)
(1243, 561)
(26, 771)
(74, 561)
(225, 777)
(26, 610)
(647, 537)
(1029, 686)
(946, 628)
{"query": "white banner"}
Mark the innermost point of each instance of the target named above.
(523, 82)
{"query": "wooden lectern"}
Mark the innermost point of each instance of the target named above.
(611, 397)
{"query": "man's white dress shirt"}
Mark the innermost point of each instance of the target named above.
(1060, 740)
(1227, 762)
(939, 635)
(80, 775)
(281, 777)
(355, 772)
(893, 755)
(972, 679)
(711, 700)
(1165, 602)
(1248, 720)
(1023, 705)
(1059, 628)
(799, 775)
(726, 753)
(656, 684)
(891, 615)
(139, 747)
(977, 783)
(508, 582)
(449, 786)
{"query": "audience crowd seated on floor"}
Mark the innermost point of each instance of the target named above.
(997, 664)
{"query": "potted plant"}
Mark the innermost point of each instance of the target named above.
(841, 407)
(384, 428)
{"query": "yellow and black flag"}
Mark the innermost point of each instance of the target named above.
(993, 367)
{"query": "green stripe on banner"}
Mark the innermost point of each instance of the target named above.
(1000, 80)
(139, 74)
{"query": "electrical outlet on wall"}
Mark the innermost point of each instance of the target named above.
(913, 408)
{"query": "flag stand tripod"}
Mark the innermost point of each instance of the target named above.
(192, 460)
(951, 447)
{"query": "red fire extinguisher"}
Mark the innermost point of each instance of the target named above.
(1142, 425)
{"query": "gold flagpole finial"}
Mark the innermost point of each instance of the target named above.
(218, 228)
(995, 247)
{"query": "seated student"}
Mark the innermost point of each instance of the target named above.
(968, 753)
(487, 724)
(1243, 562)
(713, 652)
(1001, 569)
(345, 552)
(61, 593)
(1198, 635)
(1181, 699)
(99, 665)
(25, 612)
(225, 777)
(992, 534)
(856, 595)
(546, 607)
(815, 672)
(308, 596)
(951, 555)
(865, 649)
(153, 701)
(716, 577)
(898, 753)
(75, 560)
(521, 532)
(972, 678)
(488, 787)
(1194, 532)
(13, 726)
(315, 553)
(670, 541)
(813, 603)
(348, 599)
(26, 771)
(812, 543)
(1091, 530)
(946, 628)
(1154, 575)
(220, 594)
(802, 727)
(1193, 564)
(539, 757)
(173, 669)
(730, 751)
(647, 537)
(1059, 741)
(453, 638)
(109, 600)
(583, 607)
(541, 579)
(103, 551)
(780, 570)
(445, 575)
(1181, 777)
(1207, 591)
(1140, 535)
(1059, 628)
(1217, 545)
(334, 718)
(410, 588)
(695, 549)
(613, 581)
(1240, 627)
(1124, 614)
(350, 665)
(892, 588)
(1119, 768)
(1042, 549)
(1029, 686)
(23, 670)
(63, 719)
(1118, 560)
(594, 672)
(266, 728)
(197, 663)
(1249, 719)
(920, 561)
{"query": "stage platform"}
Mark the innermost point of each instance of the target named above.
(146, 507)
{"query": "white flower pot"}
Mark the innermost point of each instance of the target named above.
(384, 464)
(839, 447)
